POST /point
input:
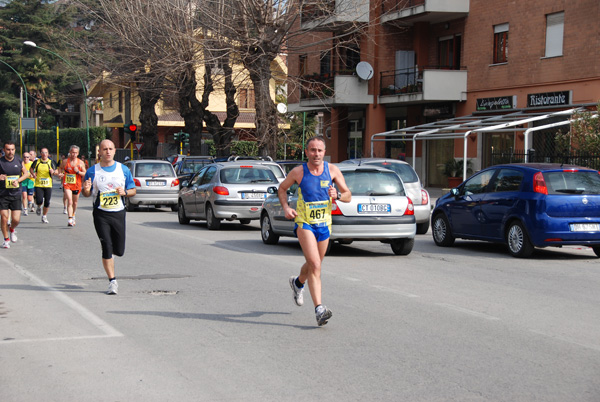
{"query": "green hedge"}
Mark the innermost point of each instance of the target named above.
(250, 148)
(67, 137)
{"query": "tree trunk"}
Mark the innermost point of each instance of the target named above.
(266, 113)
(148, 133)
(190, 108)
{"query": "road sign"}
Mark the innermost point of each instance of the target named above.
(138, 145)
(28, 123)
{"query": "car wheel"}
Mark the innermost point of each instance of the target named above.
(422, 228)
(244, 221)
(266, 231)
(174, 207)
(128, 205)
(442, 235)
(183, 219)
(596, 250)
(518, 242)
(211, 221)
(402, 246)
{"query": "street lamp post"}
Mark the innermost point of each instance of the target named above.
(26, 104)
(87, 119)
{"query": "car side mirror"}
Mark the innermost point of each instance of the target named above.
(455, 192)
(272, 190)
(185, 183)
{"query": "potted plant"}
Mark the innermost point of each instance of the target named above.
(453, 170)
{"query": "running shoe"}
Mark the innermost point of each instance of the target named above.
(65, 211)
(38, 210)
(32, 207)
(44, 219)
(113, 287)
(25, 212)
(298, 292)
(13, 236)
(70, 222)
(6, 244)
(323, 314)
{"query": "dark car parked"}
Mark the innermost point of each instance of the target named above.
(523, 206)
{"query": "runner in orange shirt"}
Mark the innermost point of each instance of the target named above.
(73, 169)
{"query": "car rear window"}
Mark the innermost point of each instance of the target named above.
(572, 182)
(193, 166)
(405, 171)
(238, 175)
(374, 182)
(153, 170)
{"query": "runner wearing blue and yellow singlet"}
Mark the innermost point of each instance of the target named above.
(313, 218)
(27, 186)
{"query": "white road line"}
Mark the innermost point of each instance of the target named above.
(86, 314)
(467, 311)
(398, 292)
(567, 340)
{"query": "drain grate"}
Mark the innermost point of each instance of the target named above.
(161, 292)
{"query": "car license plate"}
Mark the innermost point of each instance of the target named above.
(374, 208)
(156, 183)
(253, 196)
(585, 227)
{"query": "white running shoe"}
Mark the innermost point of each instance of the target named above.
(6, 244)
(298, 292)
(25, 211)
(65, 211)
(113, 287)
(13, 236)
(32, 207)
(44, 219)
(38, 210)
(70, 222)
(323, 314)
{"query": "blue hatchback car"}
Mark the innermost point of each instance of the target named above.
(524, 206)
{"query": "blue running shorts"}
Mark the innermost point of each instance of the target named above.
(321, 232)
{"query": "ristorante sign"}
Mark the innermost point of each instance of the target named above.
(549, 99)
(497, 103)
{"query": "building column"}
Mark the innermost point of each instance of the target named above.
(337, 137)
(374, 123)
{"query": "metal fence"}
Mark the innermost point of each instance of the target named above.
(574, 158)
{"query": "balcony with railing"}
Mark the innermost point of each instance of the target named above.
(327, 15)
(432, 11)
(422, 84)
(334, 89)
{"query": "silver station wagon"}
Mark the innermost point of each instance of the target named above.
(380, 210)
(225, 191)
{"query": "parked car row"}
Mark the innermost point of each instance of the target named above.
(521, 205)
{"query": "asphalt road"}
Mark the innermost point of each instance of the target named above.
(208, 316)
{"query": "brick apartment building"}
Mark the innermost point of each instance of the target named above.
(437, 78)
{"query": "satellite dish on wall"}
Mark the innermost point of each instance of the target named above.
(282, 108)
(364, 71)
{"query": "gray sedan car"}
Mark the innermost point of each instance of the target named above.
(380, 210)
(412, 184)
(225, 191)
(155, 182)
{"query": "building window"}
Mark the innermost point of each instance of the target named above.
(110, 100)
(120, 101)
(170, 100)
(246, 98)
(555, 27)
(302, 65)
(449, 52)
(325, 63)
(501, 43)
(352, 57)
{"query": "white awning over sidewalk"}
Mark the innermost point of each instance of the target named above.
(464, 126)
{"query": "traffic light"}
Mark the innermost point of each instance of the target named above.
(186, 140)
(176, 136)
(130, 129)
